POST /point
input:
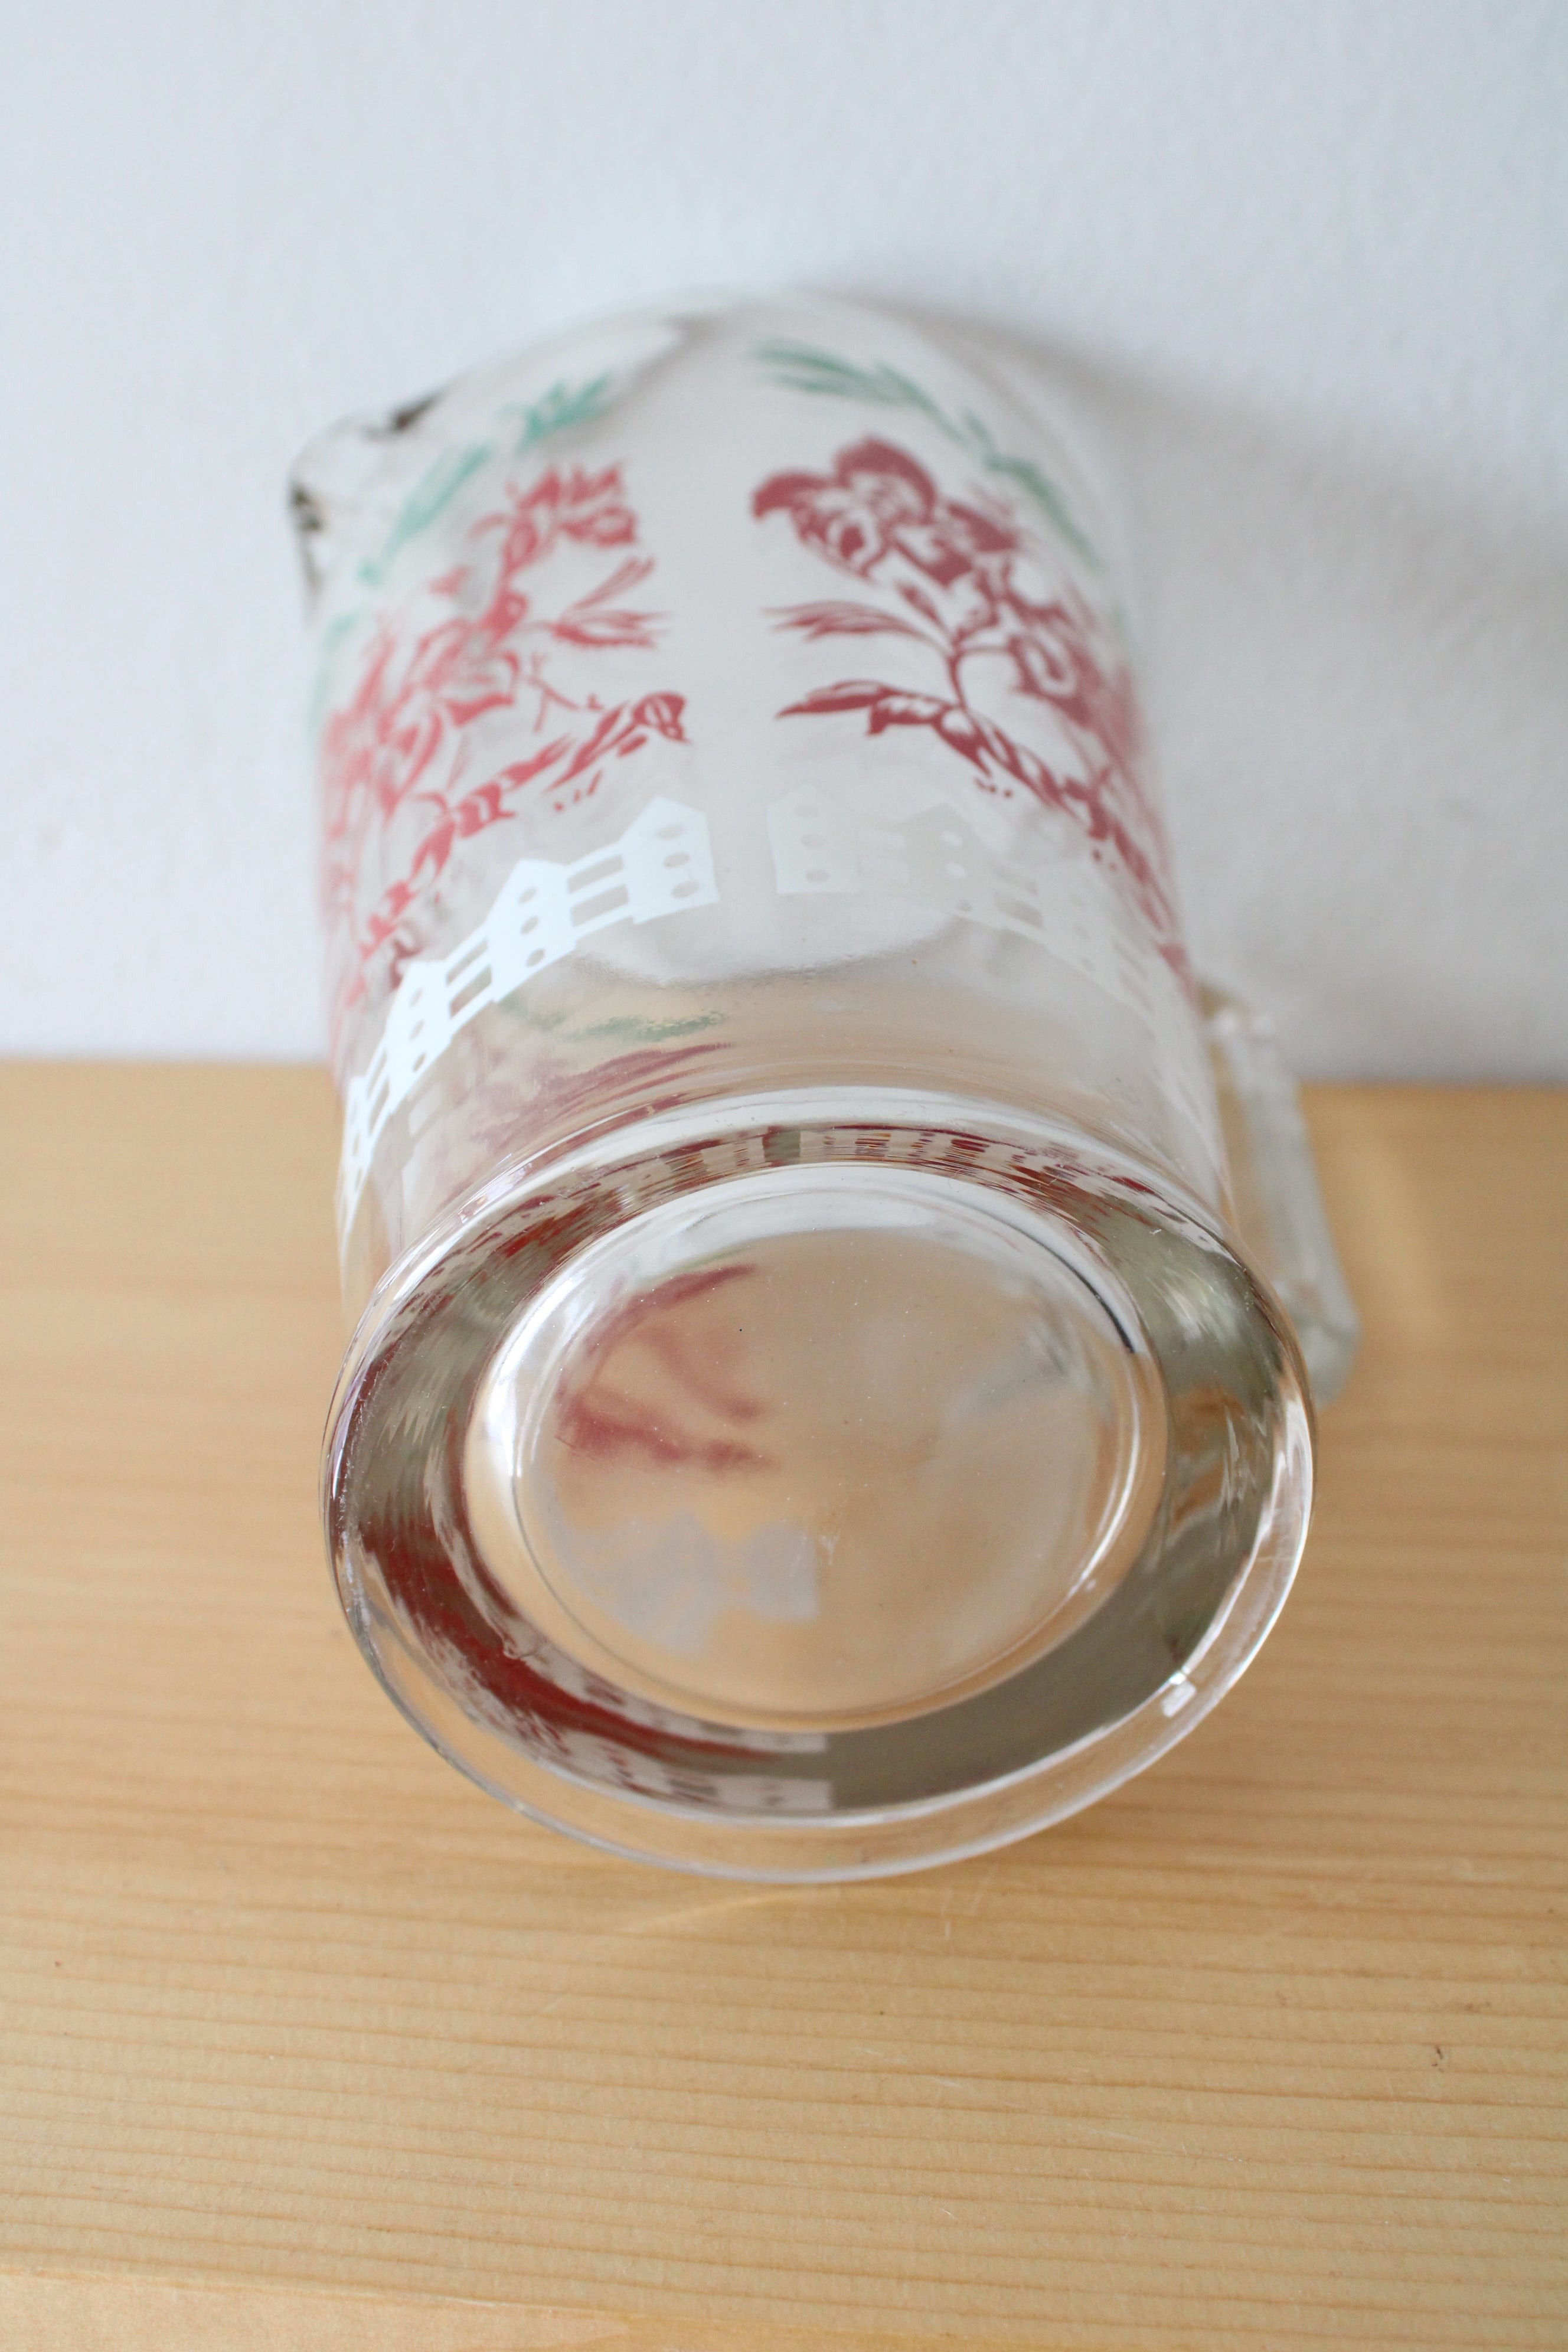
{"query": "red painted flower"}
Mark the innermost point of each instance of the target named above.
(1055, 661)
(880, 501)
(589, 508)
(968, 587)
(395, 751)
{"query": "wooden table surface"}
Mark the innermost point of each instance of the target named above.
(304, 2042)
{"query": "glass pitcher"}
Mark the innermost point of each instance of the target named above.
(813, 1410)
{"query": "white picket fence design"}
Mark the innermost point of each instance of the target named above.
(1066, 907)
(662, 865)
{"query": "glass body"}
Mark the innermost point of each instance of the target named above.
(810, 1412)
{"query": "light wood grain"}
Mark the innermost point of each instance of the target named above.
(303, 2041)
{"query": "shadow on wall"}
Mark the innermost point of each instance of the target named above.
(1357, 688)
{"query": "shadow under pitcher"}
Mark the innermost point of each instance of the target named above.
(834, 1303)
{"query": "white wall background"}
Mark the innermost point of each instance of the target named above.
(1313, 257)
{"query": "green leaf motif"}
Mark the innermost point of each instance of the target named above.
(562, 406)
(624, 1029)
(431, 496)
(632, 1030)
(801, 367)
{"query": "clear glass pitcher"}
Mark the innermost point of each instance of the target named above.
(811, 1411)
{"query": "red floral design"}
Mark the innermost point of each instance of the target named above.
(398, 743)
(880, 501)
(659, 1384)
(969, 586)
